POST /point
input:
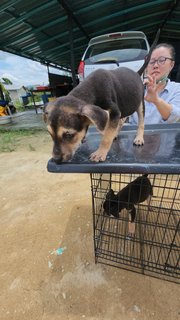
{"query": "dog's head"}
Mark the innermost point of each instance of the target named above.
(67, 121)
(110, 205)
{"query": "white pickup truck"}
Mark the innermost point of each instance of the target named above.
(113, 50)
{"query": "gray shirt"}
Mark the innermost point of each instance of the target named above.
(170, 94)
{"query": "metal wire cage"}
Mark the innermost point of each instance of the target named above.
(154, 249)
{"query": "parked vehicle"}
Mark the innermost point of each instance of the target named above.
(114, 50)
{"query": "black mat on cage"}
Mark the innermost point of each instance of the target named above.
(160, 153)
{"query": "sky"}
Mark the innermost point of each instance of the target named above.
(23, 71)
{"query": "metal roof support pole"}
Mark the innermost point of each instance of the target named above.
(72, 51)
(48, 74)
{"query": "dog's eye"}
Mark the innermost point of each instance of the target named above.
(68, 136)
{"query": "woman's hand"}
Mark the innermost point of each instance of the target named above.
(152, 92)
(153, 89)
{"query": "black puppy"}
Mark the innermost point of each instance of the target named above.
(135, 192)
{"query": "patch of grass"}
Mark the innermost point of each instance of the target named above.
(31, 148)
(8, 143)
(9, 140)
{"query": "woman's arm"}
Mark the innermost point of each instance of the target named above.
(152, 95)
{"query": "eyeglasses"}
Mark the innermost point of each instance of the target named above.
(160, 61)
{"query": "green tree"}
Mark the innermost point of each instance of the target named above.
(7, 81)
(4, 93)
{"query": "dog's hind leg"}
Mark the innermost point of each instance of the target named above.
(139, 139)
(131, 224)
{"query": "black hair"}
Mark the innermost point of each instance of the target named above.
(168, 46)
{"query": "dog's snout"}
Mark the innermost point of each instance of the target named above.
(57, 160)
(59, 156)
(56, 150)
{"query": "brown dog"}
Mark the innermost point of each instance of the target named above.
(104, 99)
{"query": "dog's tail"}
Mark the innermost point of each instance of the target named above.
(141, 70)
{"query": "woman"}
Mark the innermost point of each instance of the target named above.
(162, 96)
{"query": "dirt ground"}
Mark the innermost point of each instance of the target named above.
(47, 268)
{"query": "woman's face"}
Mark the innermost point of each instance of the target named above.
(161, 67)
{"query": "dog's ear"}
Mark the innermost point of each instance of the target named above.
(110, 194)
(96, 115)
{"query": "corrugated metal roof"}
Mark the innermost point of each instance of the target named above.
(40, 30)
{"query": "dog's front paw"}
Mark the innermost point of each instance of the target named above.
(138, 141)
(98, 156)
